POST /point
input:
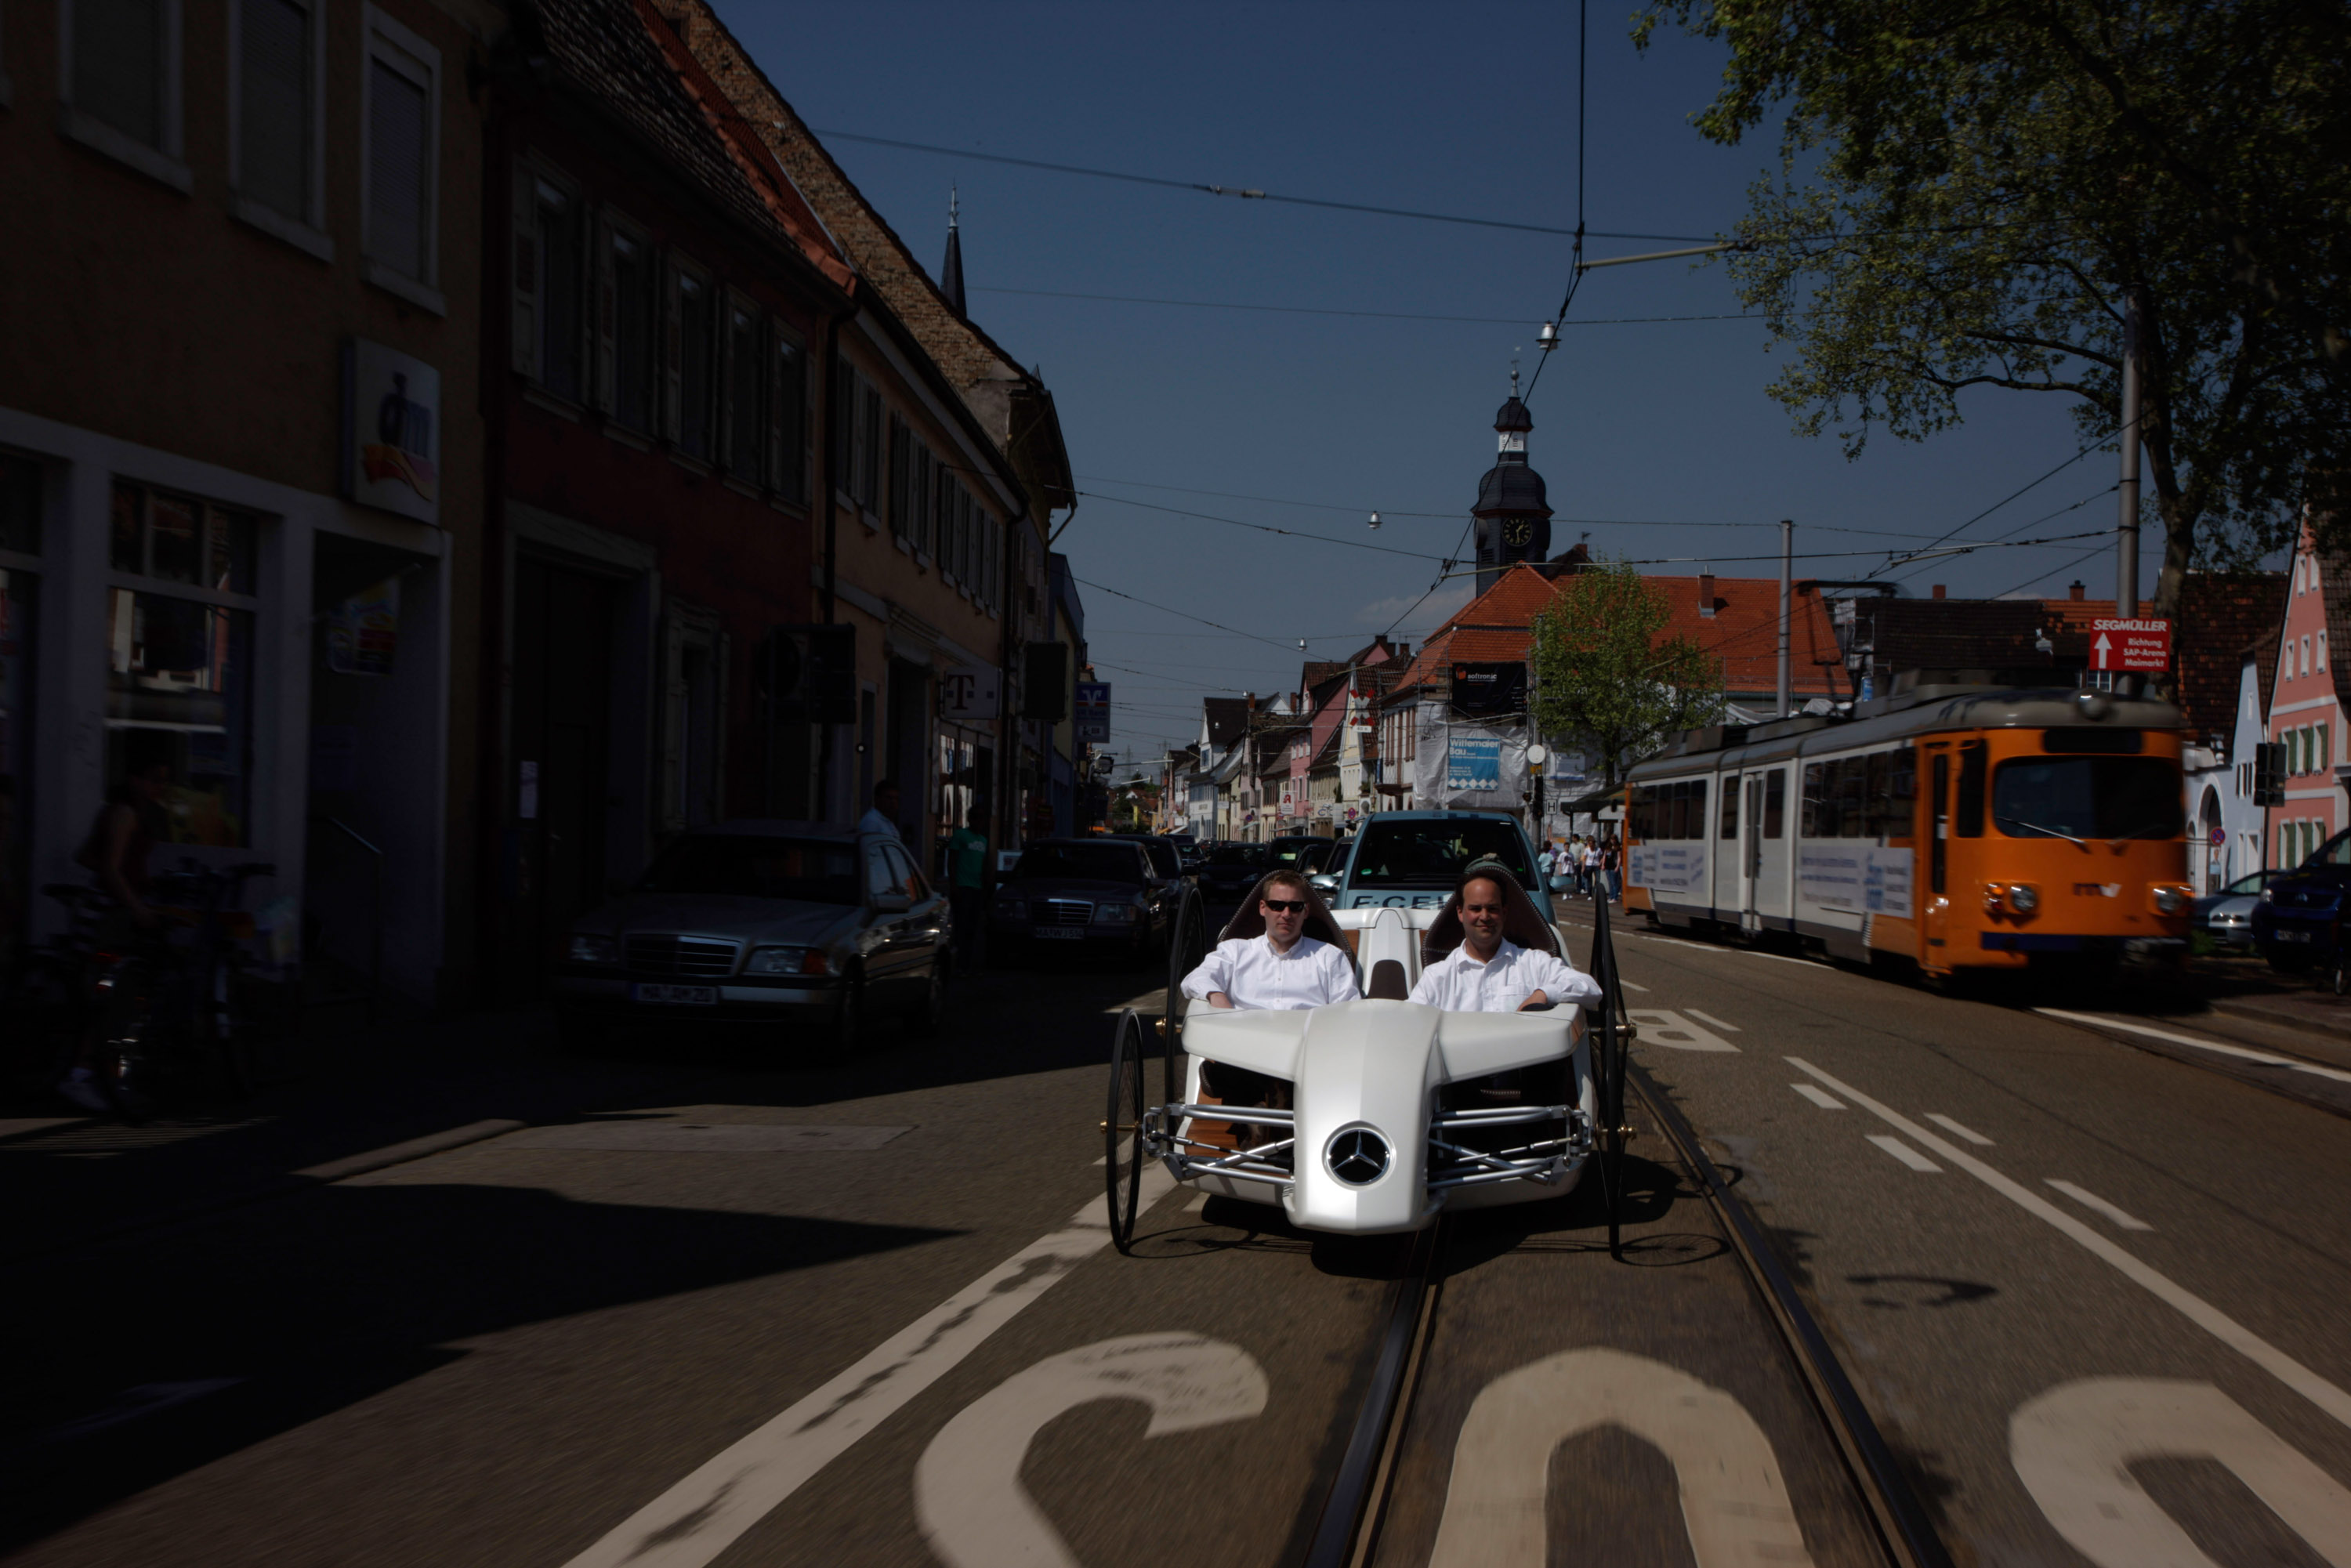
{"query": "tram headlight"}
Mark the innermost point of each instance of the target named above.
(2170, 900)
(2023, 897)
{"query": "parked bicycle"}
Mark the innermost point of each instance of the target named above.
(173, 1009)
(51, 996)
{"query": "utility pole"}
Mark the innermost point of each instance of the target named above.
(1787, 562)
(2126, 532)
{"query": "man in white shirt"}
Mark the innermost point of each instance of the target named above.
(1488, 975)
(883, 817)
(1283, 970)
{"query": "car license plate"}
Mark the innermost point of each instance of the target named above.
(2293, 936)
(1060, 934)
(675, 995)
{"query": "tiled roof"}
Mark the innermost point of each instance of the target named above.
(1227, 720)
(2223, 616)
(627, 59)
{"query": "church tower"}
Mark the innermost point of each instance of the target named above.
(1513, 518)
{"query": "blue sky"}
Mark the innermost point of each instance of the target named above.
(1461, 109)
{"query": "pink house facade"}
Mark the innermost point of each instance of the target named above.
(2305, 712)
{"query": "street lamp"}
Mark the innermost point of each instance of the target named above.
(1375, 522)
(1548, 339)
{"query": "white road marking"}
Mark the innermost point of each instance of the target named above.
(1661, 1026)
(1709, 947)
(2328, 1397)
(694, 1521)
(968, 1497)
(1735, 1504)
(2267, 1059)
(1711, 1018)
(704, 1137)
(2073, 1446)
(1631, 987)
(2091, 1201)
(1198, 1204)
(1821, 1097)
(1905, 1154)
(1968, 1134)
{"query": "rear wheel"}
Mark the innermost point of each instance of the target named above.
(1122, 1144)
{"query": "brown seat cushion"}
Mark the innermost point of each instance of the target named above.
(1522, 923)
(1388, 982)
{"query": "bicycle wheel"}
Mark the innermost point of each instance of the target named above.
(1123, 1152)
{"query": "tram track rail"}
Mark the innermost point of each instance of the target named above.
(1347, 1531)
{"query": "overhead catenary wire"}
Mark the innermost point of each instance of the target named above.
(1261, 527)
(1376, 315)
(1246, 192)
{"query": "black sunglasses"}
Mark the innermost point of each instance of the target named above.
(1286, 905)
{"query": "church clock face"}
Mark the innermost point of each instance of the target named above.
(1517, 532)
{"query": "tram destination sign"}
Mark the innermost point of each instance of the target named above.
(2117, 645)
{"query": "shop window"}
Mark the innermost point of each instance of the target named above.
(745, 413)
(401, 194)
(279, 64)
(696, 328)
(180, 641)
(787, 464)
(629, 355)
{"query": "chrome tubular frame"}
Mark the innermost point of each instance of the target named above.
(1545, 1161)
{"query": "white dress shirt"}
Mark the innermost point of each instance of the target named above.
(1460, 983)
(1312, 973)
(874, 822)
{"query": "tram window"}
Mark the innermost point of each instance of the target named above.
(1730, 828)
(1815, 823)
(1851, 789)
(1873, 821)
(1974, 757)
(1775, 802)
(1938, 843)
(2082, 738)
(2101, 798)
(1901, 794)
(1697, 819)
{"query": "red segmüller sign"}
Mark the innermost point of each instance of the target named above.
(2116, 644)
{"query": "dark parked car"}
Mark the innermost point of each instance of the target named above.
(1092, 895)
(1229, 869)
(2227, 915)
(1284, 852)
(801, 927)
(2298, 923)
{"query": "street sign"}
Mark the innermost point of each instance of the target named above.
(2116, 644)
(969, 692)
(1093, 711)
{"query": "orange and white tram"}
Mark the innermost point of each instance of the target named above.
(1957, 826)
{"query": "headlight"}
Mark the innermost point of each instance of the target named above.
(1116, 913)
(2023, 898)
(2169, 900)
(787, 961)
(2268, 897)
(587, 950)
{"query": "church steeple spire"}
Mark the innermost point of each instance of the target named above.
(951, 271)
(1512, 512)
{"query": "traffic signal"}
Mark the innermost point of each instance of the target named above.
(2269, 773)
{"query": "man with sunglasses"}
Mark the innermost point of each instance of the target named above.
(1283, 970)
(1489, 974)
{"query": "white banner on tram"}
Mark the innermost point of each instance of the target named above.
(1865, 878)
(1669, 867)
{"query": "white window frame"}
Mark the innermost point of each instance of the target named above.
(424, 292)
(307, 231)
(168, 162)
(530, 172)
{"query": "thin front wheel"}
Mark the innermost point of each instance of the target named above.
(1122, 1143)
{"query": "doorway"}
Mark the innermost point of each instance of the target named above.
(558, 786)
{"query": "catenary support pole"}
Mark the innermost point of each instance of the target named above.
(2126, 530)
(1787, 562)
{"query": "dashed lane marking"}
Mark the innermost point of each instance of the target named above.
(700, 1517)
(1821, 1097)
(1631, 987)
(1957, 1130)
(2320, 1392)
(2265, 1057)
(1905, 1154)
(1709, 947)
(2091, 1201)
(1711, 1018)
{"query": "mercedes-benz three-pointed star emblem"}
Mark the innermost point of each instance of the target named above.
(1357, 1156)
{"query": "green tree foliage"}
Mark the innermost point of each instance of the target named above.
(1606, 669)
(1968, 188)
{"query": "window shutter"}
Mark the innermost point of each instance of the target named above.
(606, 315)
(673, 341)
(870, 469)
(841, 412)
(526, 271)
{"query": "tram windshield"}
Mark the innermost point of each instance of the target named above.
(2106, 797)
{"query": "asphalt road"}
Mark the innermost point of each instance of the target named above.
(870, 1316)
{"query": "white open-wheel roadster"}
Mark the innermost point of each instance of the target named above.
(1374, 1115)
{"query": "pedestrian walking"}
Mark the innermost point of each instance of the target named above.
(967, 890)
(1591, 868)
(883, 817)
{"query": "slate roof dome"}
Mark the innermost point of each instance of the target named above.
(1511, 489)
(1514, 416)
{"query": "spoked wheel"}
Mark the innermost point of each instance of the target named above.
(1612, 1048)
(1123, 1150)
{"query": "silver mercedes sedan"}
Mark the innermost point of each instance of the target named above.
(798, 927)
